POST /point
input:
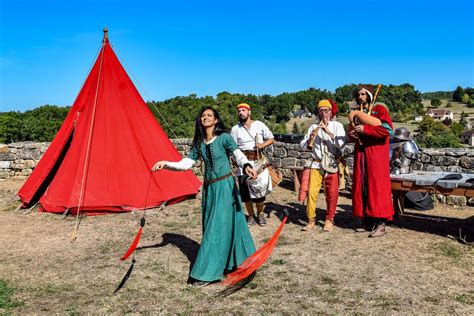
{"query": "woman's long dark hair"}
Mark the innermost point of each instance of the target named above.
(200, 131)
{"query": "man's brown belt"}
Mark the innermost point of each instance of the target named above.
(207, 182)
(250, 154)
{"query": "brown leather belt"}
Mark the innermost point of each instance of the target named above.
(207, 182)
(250, 154)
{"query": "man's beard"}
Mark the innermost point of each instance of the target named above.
(361, 102)
(243, 119)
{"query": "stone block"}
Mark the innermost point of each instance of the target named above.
(441, 198)
(289, 162)
(279, 152)
(425, 158)
(453, 169)
(4, 174)
(26, 171)
(466, 162)
(277, 162)
(456, 200)
(5, 164)
(29, 153)
(443, 161)
(4, 149)
(293, 153)
(432, 168)
(7, 156)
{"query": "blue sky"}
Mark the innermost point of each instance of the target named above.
(172, 48)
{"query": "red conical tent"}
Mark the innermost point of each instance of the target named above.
(100, 159)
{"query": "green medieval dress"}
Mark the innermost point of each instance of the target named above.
(226, 240)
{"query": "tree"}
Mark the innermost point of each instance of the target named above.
(343, 107)
(457, 128)
(463, 120)
(465, 98)
(295, 129)
(458, 93)
(435, 102)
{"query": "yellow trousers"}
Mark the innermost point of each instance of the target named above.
(315, 181)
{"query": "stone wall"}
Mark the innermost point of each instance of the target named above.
(19, 159)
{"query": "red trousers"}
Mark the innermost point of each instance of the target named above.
(331, 190)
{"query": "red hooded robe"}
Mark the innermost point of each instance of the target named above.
(377, 201)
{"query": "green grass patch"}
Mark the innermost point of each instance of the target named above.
(449, 250)
(328, 280)
(278, 262)
(49, 289)
(467, 299)
(6, 296)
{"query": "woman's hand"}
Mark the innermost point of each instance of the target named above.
(158, 166)
(250, 172)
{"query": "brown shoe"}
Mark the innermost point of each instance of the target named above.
(378, 230)
(328, 225)
(311, 225)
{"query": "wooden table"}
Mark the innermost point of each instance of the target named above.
(424, 181)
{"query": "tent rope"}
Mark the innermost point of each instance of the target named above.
(86, 165)
(144, 91)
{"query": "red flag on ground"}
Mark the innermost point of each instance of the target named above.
(252, 263)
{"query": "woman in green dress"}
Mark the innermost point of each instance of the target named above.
(226, 240)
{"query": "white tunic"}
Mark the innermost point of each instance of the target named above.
(245, 138)
(333, 145)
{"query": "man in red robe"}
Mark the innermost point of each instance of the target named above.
(370, 128)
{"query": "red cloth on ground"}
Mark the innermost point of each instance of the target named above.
(375, 147)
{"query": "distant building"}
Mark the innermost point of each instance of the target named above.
(440, 114)
(468, 137)
(418, 118)
(301, 113)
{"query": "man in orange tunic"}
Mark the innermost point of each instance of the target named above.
(371, 189)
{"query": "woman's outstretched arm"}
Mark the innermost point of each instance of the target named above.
(182, 165)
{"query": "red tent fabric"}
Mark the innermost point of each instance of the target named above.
(100, 159)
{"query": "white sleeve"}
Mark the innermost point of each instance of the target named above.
(267, 134)
(182, 165)
(240, 158)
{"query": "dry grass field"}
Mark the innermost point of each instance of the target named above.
(415, 269)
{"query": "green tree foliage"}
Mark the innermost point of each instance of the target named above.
(435, 102)
(295, 129)
(176, 115)
(40, 124)
(433, 134)
(458, 93)
(465, 98)
(457, 128)
(437, 94)
(403, 98)
(463, 120)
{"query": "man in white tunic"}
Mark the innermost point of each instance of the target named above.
(325, 140)
(251, 137)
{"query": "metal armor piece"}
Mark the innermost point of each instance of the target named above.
(403, 151)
